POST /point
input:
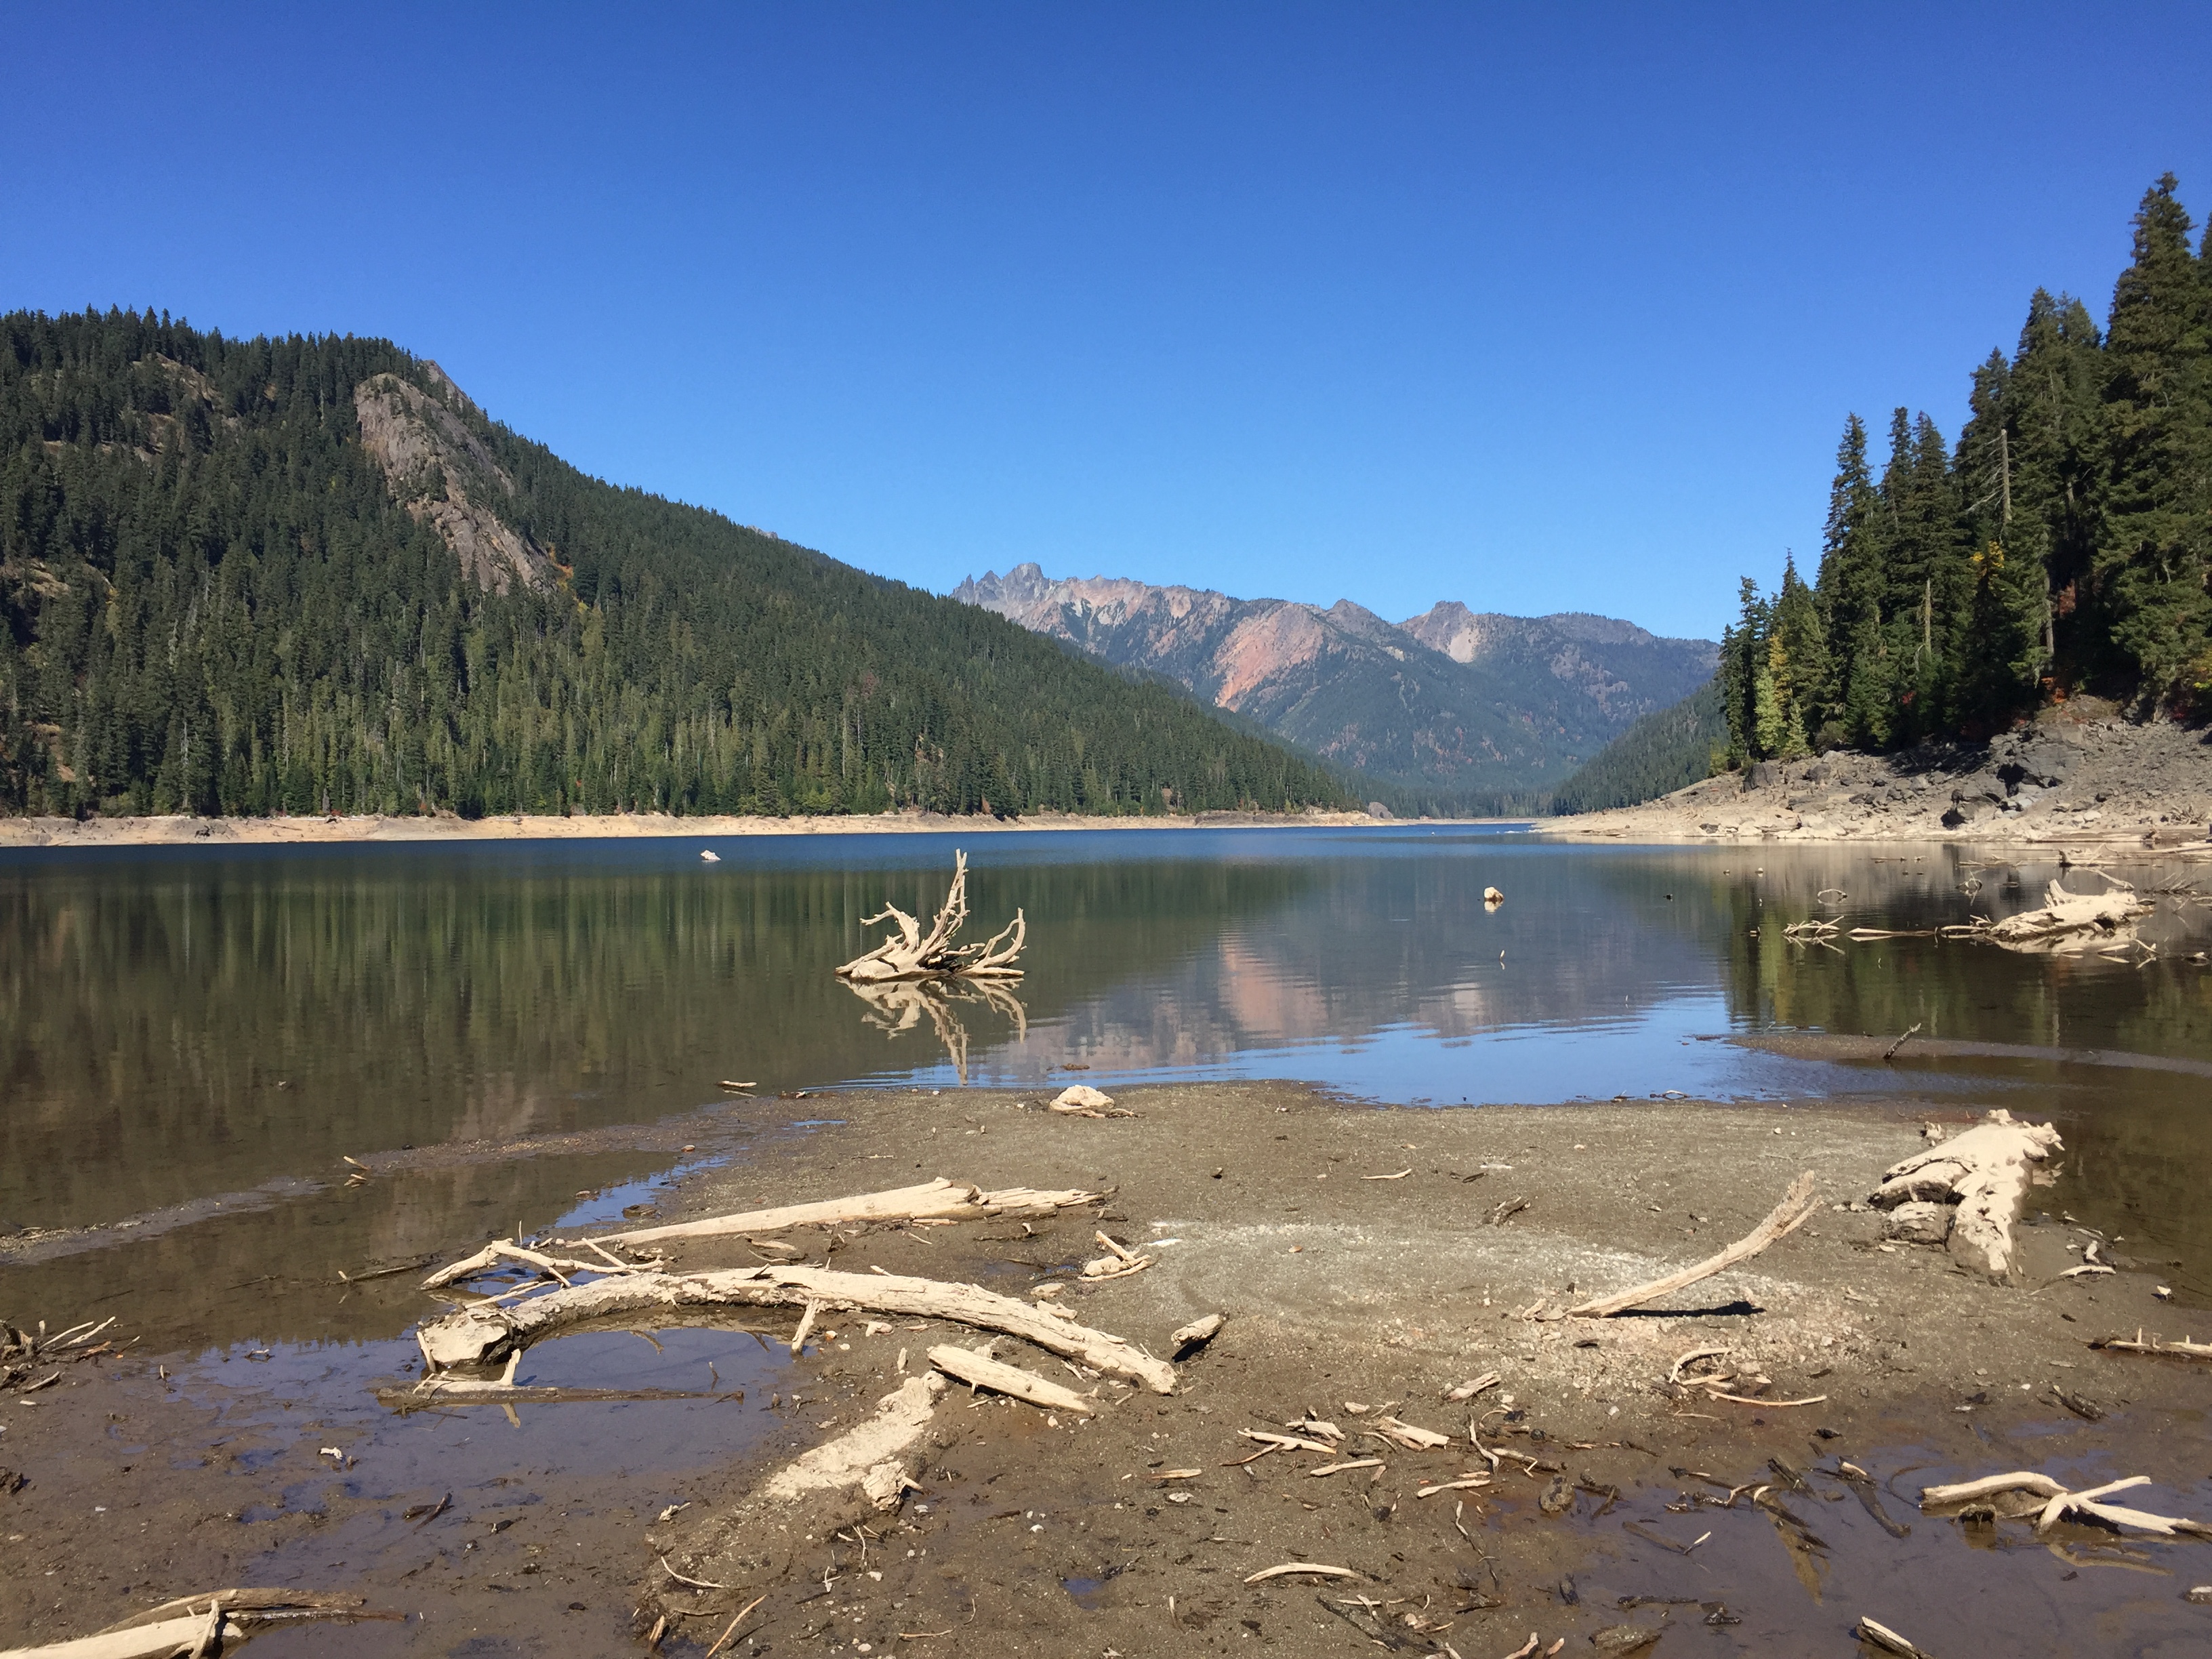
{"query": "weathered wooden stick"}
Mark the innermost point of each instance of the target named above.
(1266, 1573)
(1795, 1209)
(1986, 1170)
(937, 1198)
(1186, 1340)
(2183, 1349)
(985, 1372)
(475, 1335)
(1965, 1492)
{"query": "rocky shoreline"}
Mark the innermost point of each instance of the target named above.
(2073, 778)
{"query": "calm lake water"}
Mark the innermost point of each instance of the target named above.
(181, 1024)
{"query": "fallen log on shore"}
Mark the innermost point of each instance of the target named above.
(1985, 1172)
(1795, 1209)
(479, 1335)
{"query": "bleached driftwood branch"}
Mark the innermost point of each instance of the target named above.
(911, 954)
(938, 1199)
(478, 1335)
(2063, 1503)
(1797, 1206)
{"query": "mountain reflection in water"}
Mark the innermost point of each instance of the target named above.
(179, 1023)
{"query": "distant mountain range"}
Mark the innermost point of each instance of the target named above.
(1452, 701)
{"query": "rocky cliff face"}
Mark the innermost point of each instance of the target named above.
(1452, 700)
(445, 478)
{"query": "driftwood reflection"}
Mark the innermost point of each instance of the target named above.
(898, 1006)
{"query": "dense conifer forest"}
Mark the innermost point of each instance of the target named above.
(212, 601)
(2062, 546)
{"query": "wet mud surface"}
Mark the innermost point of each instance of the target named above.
(193, 1461)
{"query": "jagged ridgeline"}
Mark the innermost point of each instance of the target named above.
(2063, 545)
(253, 576)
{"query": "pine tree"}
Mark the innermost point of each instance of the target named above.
(1853, 707)
(2154, 548)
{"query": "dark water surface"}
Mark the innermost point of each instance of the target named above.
(178, 1024)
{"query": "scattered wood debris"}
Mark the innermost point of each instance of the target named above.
(911, 954)
(23, 1353)
(1796, 1207)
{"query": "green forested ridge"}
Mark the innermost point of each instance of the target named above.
(212, 603)
(1668, 749)
(2062, 545)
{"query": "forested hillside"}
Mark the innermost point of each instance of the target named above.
(1668, 749)
(2062, 545)
(307, 574)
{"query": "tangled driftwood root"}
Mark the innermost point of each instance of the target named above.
(2069, 923)
(1795, 1209)
(1985, 1172)
(479, 1335)
(911, 954)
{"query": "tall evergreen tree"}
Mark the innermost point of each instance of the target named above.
(2155, 547)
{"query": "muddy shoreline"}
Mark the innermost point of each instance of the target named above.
(1034, 1535)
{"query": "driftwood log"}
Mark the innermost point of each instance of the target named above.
(982, 1371)
(1985, 1172)
(479, 1335)
(938, 1199)
(1795, 1209)
(912, 954)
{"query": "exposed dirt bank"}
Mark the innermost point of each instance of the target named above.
(446, 827)
(1342, 1291)
(2068, 781)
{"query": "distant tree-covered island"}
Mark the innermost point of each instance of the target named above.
(305, 574)
(2062, 546)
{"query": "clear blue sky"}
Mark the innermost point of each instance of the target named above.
(1545, 307)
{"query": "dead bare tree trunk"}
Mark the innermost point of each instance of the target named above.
(911, 954)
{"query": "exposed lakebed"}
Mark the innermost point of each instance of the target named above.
(513, 1037)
